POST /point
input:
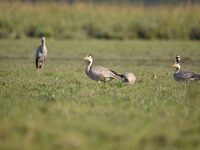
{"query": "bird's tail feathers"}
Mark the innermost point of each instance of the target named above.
(117, 74)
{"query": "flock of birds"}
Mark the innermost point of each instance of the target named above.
(103, 74)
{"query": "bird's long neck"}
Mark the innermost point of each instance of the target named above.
(44, 50)
(43, 44)
(177, 69)
(89, 65)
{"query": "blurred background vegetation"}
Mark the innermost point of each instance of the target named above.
(115, 1)
(101, 19)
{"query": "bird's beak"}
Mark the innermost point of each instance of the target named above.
(84, 58)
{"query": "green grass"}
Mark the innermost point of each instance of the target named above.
(63, 109)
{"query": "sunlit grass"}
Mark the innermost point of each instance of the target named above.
(62, 108)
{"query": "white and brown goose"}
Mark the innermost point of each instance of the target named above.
(41, 55)
(183, 75)
(99, 73)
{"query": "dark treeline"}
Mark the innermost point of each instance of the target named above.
(146, 2)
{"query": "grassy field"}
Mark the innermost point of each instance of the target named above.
(63, 109)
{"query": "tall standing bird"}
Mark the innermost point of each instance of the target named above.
(183, 75)
(41, 55)
(99, 73)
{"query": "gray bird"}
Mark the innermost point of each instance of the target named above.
(41, 55)
(99, 73)
(183, 75)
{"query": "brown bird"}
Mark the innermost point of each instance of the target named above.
(99, 73)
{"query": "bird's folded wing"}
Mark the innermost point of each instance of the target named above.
(103, 71)
(186, 74)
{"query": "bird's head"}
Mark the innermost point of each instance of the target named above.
(178, 59)
(88, 58)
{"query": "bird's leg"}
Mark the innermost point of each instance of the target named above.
(42, 64)
(42, 67)
(187, 82)
(38, 68)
